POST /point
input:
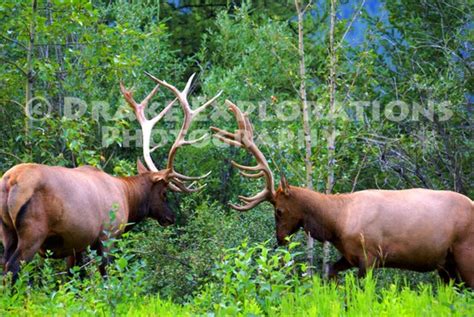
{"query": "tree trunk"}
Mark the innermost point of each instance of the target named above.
(331, 137)
(29, 62)
(306, 124)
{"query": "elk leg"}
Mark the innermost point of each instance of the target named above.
(445, 274)
(13, 265)
(75, 260)
(449, 271)
(99, 247)
(341, 265)
(362, 270)
(70, 263)
(464, 258)
(367, 261)
(31, 232)
(10, 242)
(27, 247)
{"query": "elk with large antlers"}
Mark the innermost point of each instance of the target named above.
(66, 210)
(414, 229)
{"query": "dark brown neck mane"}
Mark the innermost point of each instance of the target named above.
(137, 191)
(321, 212)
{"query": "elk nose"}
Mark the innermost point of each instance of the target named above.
(282, 241)
(171, 219)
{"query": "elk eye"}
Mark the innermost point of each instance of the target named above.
(279, 212)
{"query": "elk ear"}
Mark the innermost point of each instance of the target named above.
(285, 187)
(141, 168)
(162, 175)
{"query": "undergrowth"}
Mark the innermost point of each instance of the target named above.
(251, 280)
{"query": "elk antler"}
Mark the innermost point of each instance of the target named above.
(189, 114)
(146, 125)
(243, 137)
(177, 180)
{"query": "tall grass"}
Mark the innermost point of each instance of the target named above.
(252, 280)
(255, 280)
(362, 298)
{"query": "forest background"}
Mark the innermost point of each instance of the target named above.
(388, 86)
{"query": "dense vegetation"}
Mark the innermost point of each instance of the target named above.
(392, 56)
(249, 281)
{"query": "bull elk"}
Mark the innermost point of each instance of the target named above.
(66, 210)
(414, 229)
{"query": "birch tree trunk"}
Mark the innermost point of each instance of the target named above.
(331, 137)
(29, 61)
(306, 124)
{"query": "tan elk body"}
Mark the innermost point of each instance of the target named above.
(415, 229)
(66, 210)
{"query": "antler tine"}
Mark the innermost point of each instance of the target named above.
(247, 206)
(128, 95)
(248, 126)
(146, 125)
(183, 188)
(163, 112)
(210, 101)
(260, 195)
(227, 137)
(250, 175)
(253, 201)
(190, 178)
(139, 108)
(174, 188)
(228, 141)
(164, 83)
(239, 116)
(188, 84)
(147, 99)
(257, 167)
(190, 142)
(179, 187)
(189, 115)
(224, 133)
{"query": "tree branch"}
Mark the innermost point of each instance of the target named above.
(15, 65)
(356, 13)
(14, 41)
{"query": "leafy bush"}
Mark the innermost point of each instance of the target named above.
(44, 289)
(252, 279)
(255, 280)
(180, 258)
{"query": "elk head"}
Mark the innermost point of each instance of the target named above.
(167, 178)
(288, 217)
(157, 206)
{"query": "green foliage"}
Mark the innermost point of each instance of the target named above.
(180, 257)
(42, 289)
(79, 56)
(421, 53)
(253, 279)
(357, 298)
(267, 56)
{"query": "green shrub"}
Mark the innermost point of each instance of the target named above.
(365, 297)
(180, 258)
(42, 288)
(253, 279)
(249, 280)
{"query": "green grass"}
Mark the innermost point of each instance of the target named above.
(251, 280)
(351, 298)
(364, 299)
